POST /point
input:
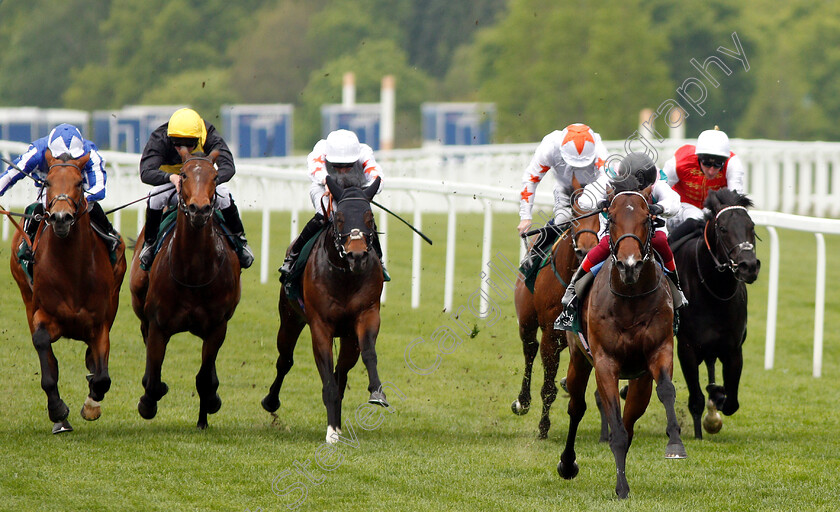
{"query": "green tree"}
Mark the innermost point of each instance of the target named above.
(369, 62)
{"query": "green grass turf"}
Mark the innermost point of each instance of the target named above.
(450, 443)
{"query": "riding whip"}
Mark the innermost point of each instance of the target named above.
(424, 237)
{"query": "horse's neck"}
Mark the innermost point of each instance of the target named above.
(75, 252)
(564, 258)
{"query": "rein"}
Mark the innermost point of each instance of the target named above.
(645, 248)
(744, 246)
(703, 280)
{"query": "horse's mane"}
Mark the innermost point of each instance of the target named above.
(718, 199)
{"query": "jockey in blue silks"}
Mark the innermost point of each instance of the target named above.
(64, 139)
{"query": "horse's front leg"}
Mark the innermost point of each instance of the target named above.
(577, 378)
(154, 387)
(322, 338)
(206, 381)
(367, 329)
(733, 363)
(99, 382)
(287, 336)
(661, 367)
(606, 375)
(528, 324)
(42, 339)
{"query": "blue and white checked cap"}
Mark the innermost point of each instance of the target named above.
(66, 138)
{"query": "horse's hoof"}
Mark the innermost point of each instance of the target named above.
(519, 409)
(91, 410)
(147, 408)
(623, 392)
(563, 385)
(270, 403)
(567, 471)
(332, 434)
(378, 398)
(675, 451)
(213, 405)
(202, 424)
(58, 413)
(61, 427)
(712, 422)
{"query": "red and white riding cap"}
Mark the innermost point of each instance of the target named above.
(578, 146)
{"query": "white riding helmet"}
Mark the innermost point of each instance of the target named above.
(343, 147)
(712, 142)
(578, 146)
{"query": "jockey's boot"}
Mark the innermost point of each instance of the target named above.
(306, 234)
(30, 227)
(104, 228)
(234, 223)
(676, 290)
(538, 251)
(570, 302)
(147, 252)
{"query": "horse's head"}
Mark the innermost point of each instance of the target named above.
(353, 226)
(585, 225)
(732, 238)
(198, 186)
(65, 191)
(631, 230)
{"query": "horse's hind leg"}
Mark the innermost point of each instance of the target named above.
(287, 335)
(56, 407)
(206, 381)
(636, 403)
(154, 387)
(367, 329)
(530, 347)
(348, 355)
(577, 378)
(99, 382)
(691, 372)
(550, 353)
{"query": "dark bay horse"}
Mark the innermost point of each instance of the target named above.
(342, 284)
(627, 322)
(715, 265)
(193, 285)
(541, 308)
(75, 289)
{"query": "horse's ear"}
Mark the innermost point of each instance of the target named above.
(373, 188)
(184, 152)
(214, 155)
(82, 162)
(712, 201)
(335, 188)
(48, 156)
(648, 191)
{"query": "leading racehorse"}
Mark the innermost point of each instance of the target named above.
(541, 308)
(342, 284)
(74, 290)
(715, 265)
(193, 285)
(626, 332)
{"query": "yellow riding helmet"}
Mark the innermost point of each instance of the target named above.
(186, 122)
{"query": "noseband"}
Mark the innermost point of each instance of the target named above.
(644, 246)
(743, 246)
(354, 234)
(77, 204)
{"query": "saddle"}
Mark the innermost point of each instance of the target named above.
(293, 283)
(167, 226)
(530, 278)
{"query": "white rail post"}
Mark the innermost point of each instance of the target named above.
(266, 234)
(416, 254)
(486, 247)
(449, 275)
(6, 225)
(772, 300)
(141, 216)
(819, 308)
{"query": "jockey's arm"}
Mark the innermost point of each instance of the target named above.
(536, 170)
(665, 196)
(27, 162)
(670, 170)
(735, 174)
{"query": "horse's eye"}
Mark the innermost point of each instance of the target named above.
(723, 229)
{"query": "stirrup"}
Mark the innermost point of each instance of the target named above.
(246, 256)
(147, 255)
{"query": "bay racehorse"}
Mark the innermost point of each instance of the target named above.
(715, 265)
(193, 285)
(342, 284)
(541, 308)
(74, 290)
(627, 325)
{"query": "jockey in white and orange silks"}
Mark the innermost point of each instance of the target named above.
(576, 150)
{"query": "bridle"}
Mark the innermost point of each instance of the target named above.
(77, 204)
(353, 234)
(743, 246)
(644, 246)
(182, 205)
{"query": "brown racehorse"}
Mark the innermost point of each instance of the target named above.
(75, 289)
(193, 285)
(627, 319)
(342, 284)
(541, 308)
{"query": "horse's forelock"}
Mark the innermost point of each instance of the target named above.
(719, 199)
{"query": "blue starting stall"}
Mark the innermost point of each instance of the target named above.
(461, 124)
(128, 129)
(363, 119)
(25, 124)
(258, 131)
